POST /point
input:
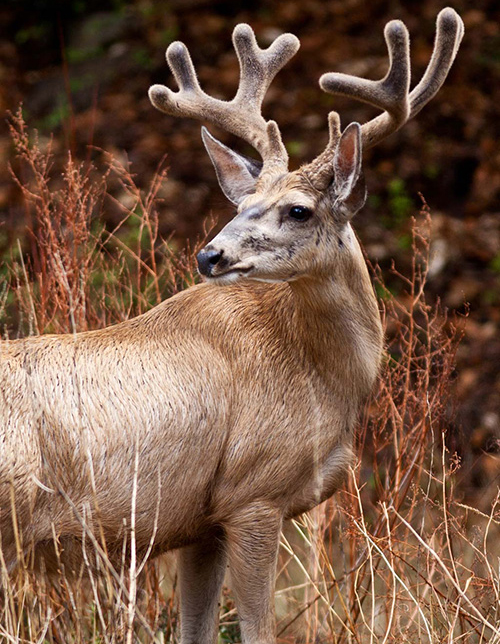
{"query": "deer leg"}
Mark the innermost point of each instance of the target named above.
(202, 567)
(252, 541)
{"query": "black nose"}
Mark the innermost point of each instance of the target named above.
(207, 259)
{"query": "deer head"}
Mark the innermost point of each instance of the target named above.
(294, 224)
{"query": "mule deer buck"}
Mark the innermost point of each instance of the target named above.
(231, 406)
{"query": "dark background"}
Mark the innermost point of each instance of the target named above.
(82, 70)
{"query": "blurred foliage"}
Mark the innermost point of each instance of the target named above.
(400, 205)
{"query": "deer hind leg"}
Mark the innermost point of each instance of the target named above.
(202, 567)
(252, 541)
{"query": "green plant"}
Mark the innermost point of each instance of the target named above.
(399, 202)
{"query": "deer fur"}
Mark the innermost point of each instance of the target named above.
(209, 420)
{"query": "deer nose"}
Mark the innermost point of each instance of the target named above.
(207, 259)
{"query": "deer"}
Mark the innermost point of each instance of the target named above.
(231, 406)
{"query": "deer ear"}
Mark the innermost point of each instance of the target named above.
(236, 173)
(348, 183)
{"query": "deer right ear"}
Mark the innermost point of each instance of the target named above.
(236, 173)
(349, 185)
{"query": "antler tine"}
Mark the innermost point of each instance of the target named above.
(449, 34)
(259, 66)
(319, 171)
(242, 115)
(389, 94)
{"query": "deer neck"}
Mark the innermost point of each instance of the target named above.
(338, 323)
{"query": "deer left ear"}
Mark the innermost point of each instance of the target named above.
(348, 184)
(236, 173)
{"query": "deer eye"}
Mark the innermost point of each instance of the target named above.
(300, 213)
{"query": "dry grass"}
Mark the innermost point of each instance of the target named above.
(72, 274)
(395, 557)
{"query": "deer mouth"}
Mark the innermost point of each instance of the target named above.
(231, 274)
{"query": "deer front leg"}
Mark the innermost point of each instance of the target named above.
(201, 572)
(252, 542)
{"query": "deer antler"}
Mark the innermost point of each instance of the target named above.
(242, 115)
(391, 94)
